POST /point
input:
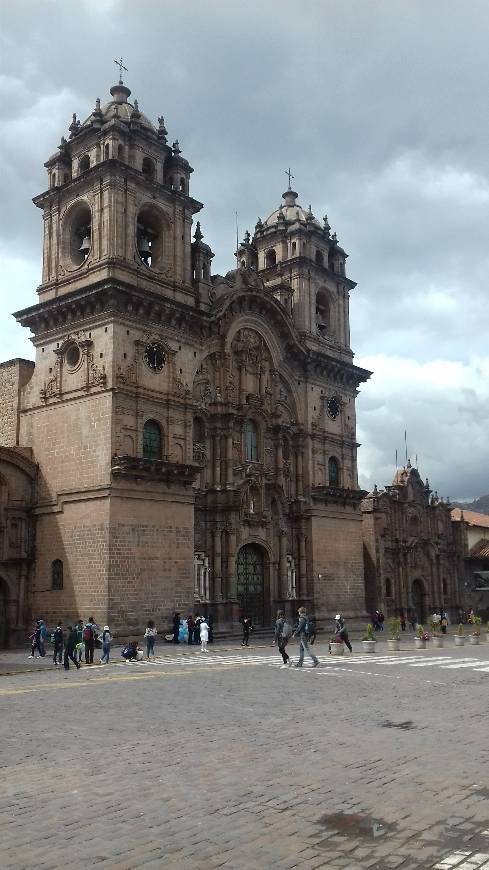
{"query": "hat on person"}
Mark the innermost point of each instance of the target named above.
(338, 616)
(106, 628)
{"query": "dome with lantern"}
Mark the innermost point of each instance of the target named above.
(291, 212)
(118, 109)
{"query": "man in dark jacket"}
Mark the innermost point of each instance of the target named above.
(58, 644)
(341, 630)
(301, 633)
(283, 632)
(176, 627)
(70, 648)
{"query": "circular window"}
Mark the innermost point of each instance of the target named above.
(333, 407)
(72, 356)
(154, 357)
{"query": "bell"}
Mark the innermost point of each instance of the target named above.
(85, 245)
(144, 248)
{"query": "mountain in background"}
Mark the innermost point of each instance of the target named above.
(479, 505)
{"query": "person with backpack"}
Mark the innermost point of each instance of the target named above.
(89, 640)
(283, 633)
(106, 641)
(150, 638)
(70, 647)
(302, 632)
(35, 639)
(58, 641)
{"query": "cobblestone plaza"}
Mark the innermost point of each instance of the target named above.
(226, 760)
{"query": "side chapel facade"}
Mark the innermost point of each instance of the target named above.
(185, 441)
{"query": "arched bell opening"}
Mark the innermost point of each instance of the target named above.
(150, 237)
(78, 234)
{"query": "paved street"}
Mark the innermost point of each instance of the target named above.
(227, 760)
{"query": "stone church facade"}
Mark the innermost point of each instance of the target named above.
(411, 549)
(185, 441)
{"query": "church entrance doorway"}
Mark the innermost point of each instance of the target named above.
(419, 600)
(3, 615)
(251, 583)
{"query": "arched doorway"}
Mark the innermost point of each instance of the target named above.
(419, 600)
(3, 615)
(251, 583)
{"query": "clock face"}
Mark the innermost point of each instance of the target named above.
(333, 407)
(154, 357)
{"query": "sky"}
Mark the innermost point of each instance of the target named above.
(381, 108)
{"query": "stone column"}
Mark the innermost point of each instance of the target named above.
(300, 473)
(282, 565)
(229, 458)
(217, 458)
(302, 566)
(279, 456)
(232, 590)
(242, 384)
(217, 563)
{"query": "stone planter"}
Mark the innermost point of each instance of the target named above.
(487, 637)
(438, 642)
(459, 639)
(419, 643)
(337, 649)
(393, 644)
(474, 638)
(369, 646)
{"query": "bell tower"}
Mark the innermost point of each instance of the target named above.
(118, 205)
(107, 413)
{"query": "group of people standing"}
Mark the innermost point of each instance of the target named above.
(194, 630)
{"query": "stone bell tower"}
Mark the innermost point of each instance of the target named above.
(106, 413)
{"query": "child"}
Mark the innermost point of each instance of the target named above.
(204, 635)
(106, 639)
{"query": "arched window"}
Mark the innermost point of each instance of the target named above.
(152, 440)
(182, 185)
(120, 152)
(84, 163)
(57, 574)
(444, 586)
(331, 261)
(388, 587)
(319, 258)
(243, 264)
(251, 441)
(106, 151)
(322, 314)
(148, 168)
(294, 248)
(333, 471)
(270, 259)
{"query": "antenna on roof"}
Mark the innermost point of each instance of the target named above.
(405, 444)
(396, 459)
(237, 240)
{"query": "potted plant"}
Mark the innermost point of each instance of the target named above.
(394, 633)
(368, 642)
(436, 635)
(459, 636)
(420, 637)
(487, 631)
(336, 645)
(475, 636)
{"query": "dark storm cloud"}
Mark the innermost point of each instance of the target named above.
(380, 109)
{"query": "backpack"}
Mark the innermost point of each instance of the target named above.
(309, 628)
(286, 630)
(87, 633)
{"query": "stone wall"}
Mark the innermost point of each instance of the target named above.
(14, 374)
(337, 555)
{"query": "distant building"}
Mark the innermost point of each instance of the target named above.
(472, 535)
(411, 555)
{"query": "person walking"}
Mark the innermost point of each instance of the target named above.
(58, 644)
(42, 636)
(413, 620)
(247, 627)
(89, 640)
(191, 627)
(106, 641)
(176, 628)
(70, 647)
(198, 620)
(301, 632)
(35, 639)
(341, 630)
(402, 617)
(204, 634)
(150, 638)
(283, 632)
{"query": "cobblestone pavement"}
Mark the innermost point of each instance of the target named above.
(227, 760)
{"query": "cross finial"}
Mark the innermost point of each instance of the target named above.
(121, 66)
(288, 173)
